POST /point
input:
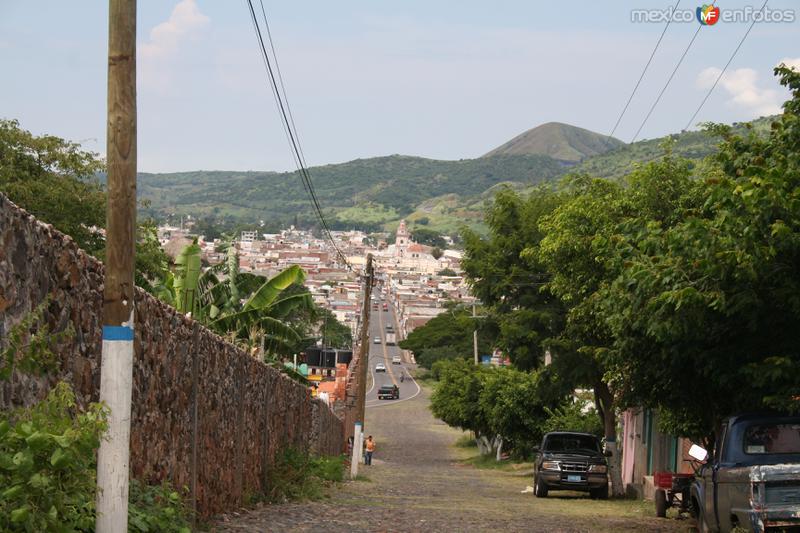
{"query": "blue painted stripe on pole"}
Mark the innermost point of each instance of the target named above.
(117, 333)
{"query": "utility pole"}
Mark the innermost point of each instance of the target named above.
(116, 373)
(475, 334)
(362, 369)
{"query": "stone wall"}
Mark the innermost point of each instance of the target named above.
(193, 392)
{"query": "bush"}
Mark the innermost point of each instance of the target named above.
(298, 476)
(156, 508)
(47, 452)
(47, 464)
(570, 417)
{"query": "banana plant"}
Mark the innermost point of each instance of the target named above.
(236, 304)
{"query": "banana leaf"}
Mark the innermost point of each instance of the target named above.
(269, 291)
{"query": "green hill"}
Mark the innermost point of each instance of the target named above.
(375, 193)
(559, 141)
(365, 189)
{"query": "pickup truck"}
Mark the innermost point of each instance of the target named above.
(752, 481)
(389, 392)
(570, 461)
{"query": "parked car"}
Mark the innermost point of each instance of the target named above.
(570, 461)
(389, 392)
(752, 480)
(377, 340)
(396, 360)
(380, 367)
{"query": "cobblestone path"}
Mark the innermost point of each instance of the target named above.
(418, 483)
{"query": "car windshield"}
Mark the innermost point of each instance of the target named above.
(569, 443)
(772, 438)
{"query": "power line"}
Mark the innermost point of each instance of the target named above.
(641, 77)
(301, 155)
(292, 133)
(741, 42)
(669, 80)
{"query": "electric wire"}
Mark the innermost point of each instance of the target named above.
(719, 77)
(292, 135)
(669, 80)
(647, 65)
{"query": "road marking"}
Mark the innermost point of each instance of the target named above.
(392, 402)
(385, 351)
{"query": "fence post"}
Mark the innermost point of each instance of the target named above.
(239, 437)
(193, 465)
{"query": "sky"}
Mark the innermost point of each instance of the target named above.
(433, 78)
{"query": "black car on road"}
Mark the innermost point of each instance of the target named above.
(389, 392)
(570, 461)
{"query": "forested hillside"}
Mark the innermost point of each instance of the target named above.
(374, 193)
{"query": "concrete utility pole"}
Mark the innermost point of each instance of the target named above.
(475, 336)
(116, 374)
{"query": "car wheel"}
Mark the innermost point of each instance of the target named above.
(540, 488)
(599, 494)
(661, 503)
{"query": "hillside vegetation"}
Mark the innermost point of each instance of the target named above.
(373, 194)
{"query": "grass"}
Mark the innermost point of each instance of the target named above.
(488, 462)
(465, 441)
(299, 476)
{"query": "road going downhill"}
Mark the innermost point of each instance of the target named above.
(419, 481)
(397, 374)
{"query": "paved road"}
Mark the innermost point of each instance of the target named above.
(383, 353)
(419, 482)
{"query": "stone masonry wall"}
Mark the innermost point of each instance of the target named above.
(192, 390)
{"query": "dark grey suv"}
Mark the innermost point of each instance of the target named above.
(570, 461)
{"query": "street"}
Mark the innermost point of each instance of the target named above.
(419, 481)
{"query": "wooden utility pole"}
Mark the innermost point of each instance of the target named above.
(364, 356)
(362, 369)
(118, 291)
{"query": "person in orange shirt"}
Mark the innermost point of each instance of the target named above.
(370, 446)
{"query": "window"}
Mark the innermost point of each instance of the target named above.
(565, 443)
(772, 438)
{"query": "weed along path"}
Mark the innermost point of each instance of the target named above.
(421, 481)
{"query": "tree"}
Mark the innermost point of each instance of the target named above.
(503, 406)
(428, 237)
(580, 251)
(446, 336)
(56, 181)
(705, 311)
(437, 253)
(447, 272)
(525, 317)
(244, 307)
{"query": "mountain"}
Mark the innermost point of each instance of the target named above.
(375, 193)
(559, 141)
(377, 190)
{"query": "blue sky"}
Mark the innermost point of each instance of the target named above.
(441, 79)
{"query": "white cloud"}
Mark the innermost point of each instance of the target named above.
(744, 91)
(164, 43)
(791, 62)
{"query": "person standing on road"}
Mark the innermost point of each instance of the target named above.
(370, 446)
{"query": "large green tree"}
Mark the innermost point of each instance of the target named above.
(526, 317)
(448, 336)
(55, 180)
(705, 313)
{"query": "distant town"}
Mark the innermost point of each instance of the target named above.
(419, 282)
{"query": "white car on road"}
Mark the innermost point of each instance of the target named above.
(380, 367)
(377, 340)
(396, 360)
